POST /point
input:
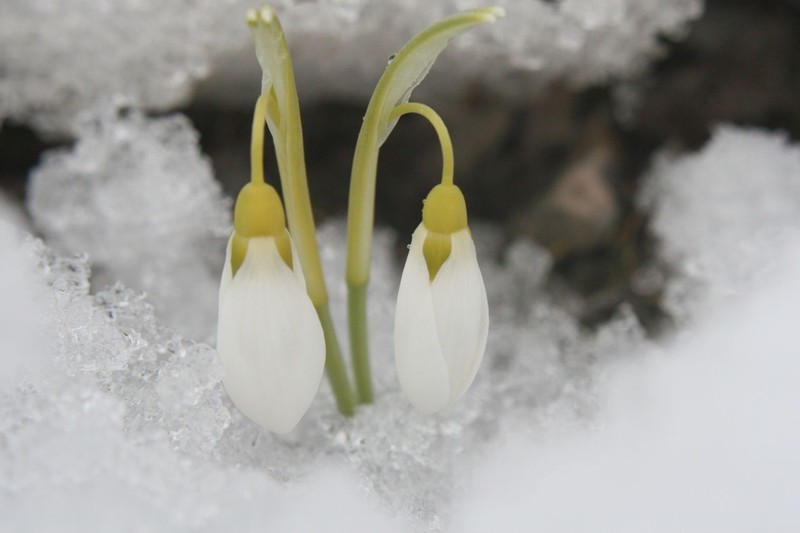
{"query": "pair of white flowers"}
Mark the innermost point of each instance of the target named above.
(275, 336)
(269, 336)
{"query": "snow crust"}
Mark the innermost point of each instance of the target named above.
(138, 196)
(698, 435)
(109, 416)
(56, 61)
(724, 215)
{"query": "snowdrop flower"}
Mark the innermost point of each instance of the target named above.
(269, 337)
(442, 317)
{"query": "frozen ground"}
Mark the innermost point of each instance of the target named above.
(110, 419)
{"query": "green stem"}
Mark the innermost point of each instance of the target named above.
(441, 130)
(360, 212)
(301, 224)
(361, 206)
(357, 314)
(257, 141)
(334, 366)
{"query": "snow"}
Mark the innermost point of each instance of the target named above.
(724, 215)
(21, 332)
(57, 62)
(699, 435)
(138, 196)
(111, 416)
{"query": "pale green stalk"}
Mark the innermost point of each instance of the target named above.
(404, 72)
(257, 141)
(283, 119)
(441, 131)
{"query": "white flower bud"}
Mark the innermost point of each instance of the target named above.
(269, 337)
(441, 324)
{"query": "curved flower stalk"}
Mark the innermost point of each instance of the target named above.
(283, 120)
(406, 70)
(268, 336)
(442, 315)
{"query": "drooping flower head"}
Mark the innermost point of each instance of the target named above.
(442, 317)
(269, 336)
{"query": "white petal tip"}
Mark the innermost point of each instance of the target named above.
(271, 420)
(428, 408)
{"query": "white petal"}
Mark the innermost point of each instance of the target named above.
(269, 339)
(418, 357)
(227, 271)
(462, 313)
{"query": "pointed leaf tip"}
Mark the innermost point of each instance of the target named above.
(413, 62)
(493, 13)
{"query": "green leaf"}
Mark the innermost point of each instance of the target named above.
(413, 62)
(273, 55)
